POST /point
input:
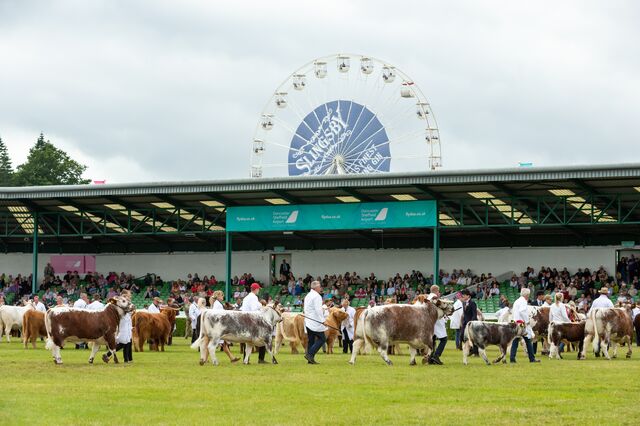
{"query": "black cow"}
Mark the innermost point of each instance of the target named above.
(482, 334)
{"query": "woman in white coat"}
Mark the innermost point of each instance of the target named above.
(124, 335)
(558, 314)
(347, 327)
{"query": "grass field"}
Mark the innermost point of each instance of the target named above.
(171, 388)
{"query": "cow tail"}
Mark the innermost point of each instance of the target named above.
(466, 333)
(25, 327)
(596, 337)
(196, 344)
(47, 325)
(368, 343)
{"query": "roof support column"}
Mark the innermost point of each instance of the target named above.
(34, 274)
(227, 253)
(436, 249)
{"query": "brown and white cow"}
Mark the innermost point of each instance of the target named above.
(33, 327)
(482, 334)
(606, 326)
(540, 326)
(155, 328)
(387, 325)
(251, 328)
(81, 325)
(568, 332)
(290, 329)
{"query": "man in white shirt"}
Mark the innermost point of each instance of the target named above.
(251, 303)
(603, 301)
(82, 302)
(520, 312)
(39, 305)
(96, 305)
(347, 327)
(194, 314)
(456, 320)
(154, 307)
(439, 330)
(314, 321)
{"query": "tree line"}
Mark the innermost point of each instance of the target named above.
(45, 165)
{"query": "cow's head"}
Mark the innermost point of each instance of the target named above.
(536, 315)
(444, 305)
(122, 303)
(273, 313)
(420, 299)
(521, 328)
(338, 314)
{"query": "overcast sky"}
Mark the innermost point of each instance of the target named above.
(172, 90)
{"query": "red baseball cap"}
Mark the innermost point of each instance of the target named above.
(255, 286)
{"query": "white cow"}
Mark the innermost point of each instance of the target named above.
(11, 317)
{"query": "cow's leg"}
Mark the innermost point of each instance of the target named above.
(585, 344)
(629, 341)
(278, 343)
(615, 349)
(356, 347)
(7, 332)
(269, 347)
(247, 353)
(212, 351)
(294, 347)
(553, 351)
(606, 341)
(412, 355)
(383, 348)
(57, 358)
(483, 354)
(503, 353)
(94, 349)
(466, 348)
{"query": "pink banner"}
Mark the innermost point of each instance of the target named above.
(64, 263)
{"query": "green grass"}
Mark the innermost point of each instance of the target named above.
(171, 388)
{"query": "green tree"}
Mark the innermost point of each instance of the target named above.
(48, 165)
(6, 171)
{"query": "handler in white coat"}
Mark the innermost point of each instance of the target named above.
(251, 303)
(194, 314)
(603, 301)
(455, 320)
(439, 330)
(347, 327)
(314, 321)
(520, 312)
(218, 297)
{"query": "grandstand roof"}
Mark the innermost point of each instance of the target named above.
(574, 205)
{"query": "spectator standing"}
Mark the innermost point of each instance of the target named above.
(314, 321)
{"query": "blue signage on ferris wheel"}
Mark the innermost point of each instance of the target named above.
(339, 137)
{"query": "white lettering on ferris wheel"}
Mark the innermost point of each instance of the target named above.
(331, 132)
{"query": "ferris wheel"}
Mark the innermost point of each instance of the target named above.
(345, 114)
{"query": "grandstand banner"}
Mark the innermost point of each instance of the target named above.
(316, 217)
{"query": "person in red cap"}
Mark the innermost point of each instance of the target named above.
(251, 303)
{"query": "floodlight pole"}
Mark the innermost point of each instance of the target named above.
(436, 249)
(34, 275)
(227, 284)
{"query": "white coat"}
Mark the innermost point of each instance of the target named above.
(250, 303)
(439, 328)
(602, 302)
(313, 311)
(520, 312)
(41, 308)
(558, 313)
(96, 305)
(456, 317)
(80, 304)
(153, 309)
(194, 313)
(124, 329)
(347, 324)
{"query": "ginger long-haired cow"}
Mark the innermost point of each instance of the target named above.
(81, 325)
(387, 325)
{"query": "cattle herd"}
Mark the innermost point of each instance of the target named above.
(379, 327)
